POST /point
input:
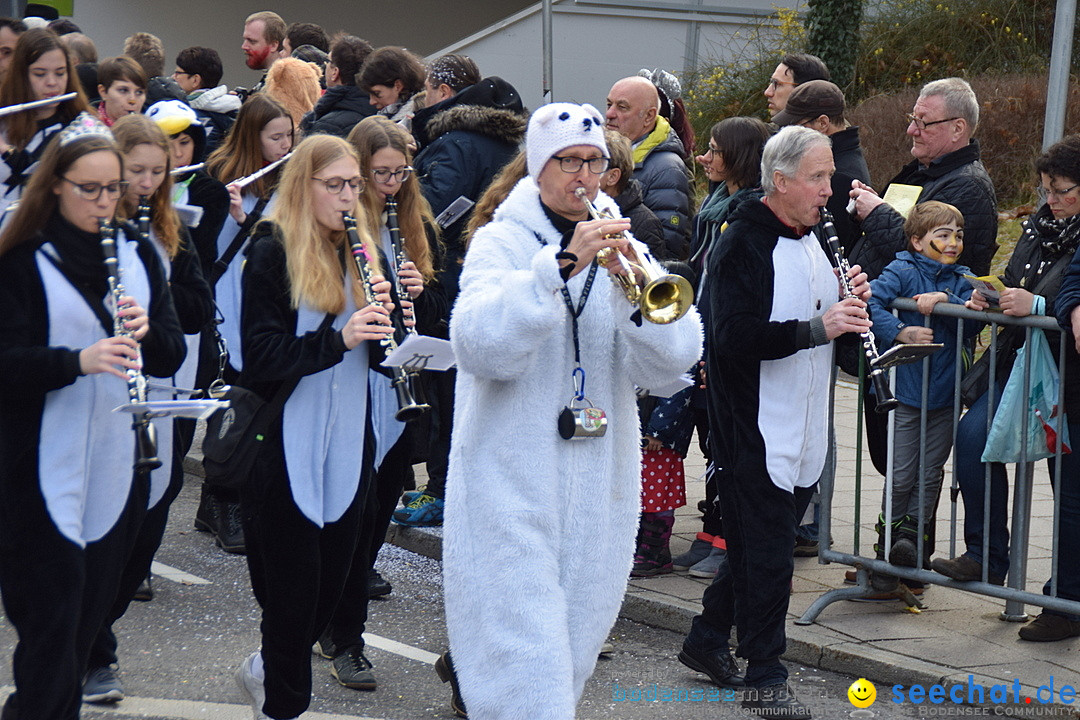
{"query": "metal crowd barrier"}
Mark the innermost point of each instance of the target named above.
(1013, 593)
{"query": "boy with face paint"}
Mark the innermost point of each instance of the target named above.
(927, 271)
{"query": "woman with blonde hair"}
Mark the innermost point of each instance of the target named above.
(310, 336)
(262, 134)
(145, 151)
(383, 149)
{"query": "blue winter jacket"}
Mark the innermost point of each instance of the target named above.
(908, 275)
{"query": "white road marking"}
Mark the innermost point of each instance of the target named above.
(177, 576)
(398, 648)
(140, 707)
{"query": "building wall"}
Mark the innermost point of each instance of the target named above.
(421, 25)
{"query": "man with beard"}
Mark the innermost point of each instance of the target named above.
(264, 38)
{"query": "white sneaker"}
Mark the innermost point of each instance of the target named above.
(251, 687)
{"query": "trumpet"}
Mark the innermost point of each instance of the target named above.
(662, 298)
(408, 408)
(146, 458)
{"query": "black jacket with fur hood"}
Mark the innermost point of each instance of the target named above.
(465, 141)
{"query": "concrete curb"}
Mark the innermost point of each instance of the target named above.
(812, 645)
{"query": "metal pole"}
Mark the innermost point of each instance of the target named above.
(548, 67)
(1057, 89)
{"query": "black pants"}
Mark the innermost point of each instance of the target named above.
(442, 424)
(298, 571)
(350, 618)
(56, 596)
(147, 542)
(752, 592)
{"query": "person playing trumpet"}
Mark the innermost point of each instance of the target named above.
(539, 333)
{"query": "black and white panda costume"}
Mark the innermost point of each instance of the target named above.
(769, 374)
(70, 503)
(194, 309)
(16, 164)
(303, 502)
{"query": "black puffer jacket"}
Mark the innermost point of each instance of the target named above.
(644, 225)
(337, 111)
(465, 141)
(665, 184)
(957, 178)
(850, 165)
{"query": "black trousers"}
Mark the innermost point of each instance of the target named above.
(350, 618)
(146, 544)
(56, 595)
(298, 572)
(752, 592)
(442, 425)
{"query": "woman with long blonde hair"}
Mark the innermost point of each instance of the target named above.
(383, 149)
(145, 151)
(307, 325)
(262, 134)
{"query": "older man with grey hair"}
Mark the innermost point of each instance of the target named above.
(946, 168)
(775, 308)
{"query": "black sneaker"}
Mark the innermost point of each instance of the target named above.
(230, 533)
(775, 702)
(719, 666)
(145, 593)
(325, 647)
(377, 585)
(102, 685)
(353, 670)
(208, 516)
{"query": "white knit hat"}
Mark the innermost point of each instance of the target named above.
(558, 126)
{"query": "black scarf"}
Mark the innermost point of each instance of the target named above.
(80, 253)
(1056, 236)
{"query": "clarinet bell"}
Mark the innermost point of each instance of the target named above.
(885, 399)
(408, 408)
(146, 458)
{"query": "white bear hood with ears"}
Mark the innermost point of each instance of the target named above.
(558, 126)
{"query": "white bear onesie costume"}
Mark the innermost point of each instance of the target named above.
(539, 531)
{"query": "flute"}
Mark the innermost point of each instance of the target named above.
(885, 399)
(245, 181)
(146, 458)
(408, 408)
(185, 169)
(34, 105)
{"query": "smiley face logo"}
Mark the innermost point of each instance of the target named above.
(862, 693)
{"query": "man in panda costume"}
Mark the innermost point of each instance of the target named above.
(775, 311)
(539, 530)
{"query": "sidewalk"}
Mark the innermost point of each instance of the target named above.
(957, 635)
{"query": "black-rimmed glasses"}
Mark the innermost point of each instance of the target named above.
(1044, 194)
(383, 176)
(571, 164)
(92, 191)
(921, 124)
(335, 185)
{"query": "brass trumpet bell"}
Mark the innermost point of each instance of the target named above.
(666, 299)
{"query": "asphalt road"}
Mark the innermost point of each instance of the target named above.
(179, 651)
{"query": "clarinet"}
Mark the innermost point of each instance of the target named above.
(408, 408)
(401, 256)
(142, 217)
(885, 399)
(146, 458)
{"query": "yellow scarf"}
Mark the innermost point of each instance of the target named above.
(657, 136)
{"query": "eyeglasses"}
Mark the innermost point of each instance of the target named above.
(181, 72)
(1044, 193)
(335, 185)
(570, 164)
(92, 191)
(774, 83)
(383, 175)
(921, 124)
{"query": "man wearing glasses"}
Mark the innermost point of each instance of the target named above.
(947, 168)
(794, 70)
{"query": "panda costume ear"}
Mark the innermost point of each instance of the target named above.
(557, 126)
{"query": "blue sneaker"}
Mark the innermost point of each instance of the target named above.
(409, 495)
(424, 511)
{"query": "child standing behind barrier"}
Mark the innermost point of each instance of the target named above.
(927, 272)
